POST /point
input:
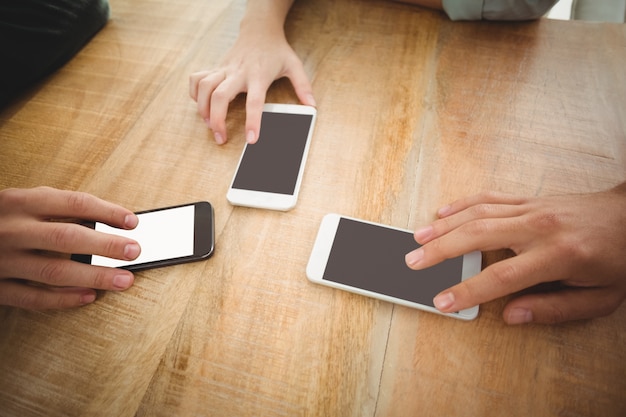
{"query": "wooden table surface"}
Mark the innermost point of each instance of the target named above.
(414, 111)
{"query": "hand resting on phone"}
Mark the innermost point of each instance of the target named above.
(260, 55)
(31, 230)
(577, 241)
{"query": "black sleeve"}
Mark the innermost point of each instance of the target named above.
(39, 36)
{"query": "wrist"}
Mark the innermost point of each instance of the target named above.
(265, 15)
(261, 27)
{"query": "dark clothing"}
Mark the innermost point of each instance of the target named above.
(39, 36)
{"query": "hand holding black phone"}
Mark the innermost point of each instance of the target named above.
(167, 236)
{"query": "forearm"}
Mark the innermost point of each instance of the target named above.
(265, 15)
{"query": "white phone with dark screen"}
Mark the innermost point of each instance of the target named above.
(167, 236)
(270, 171)
(368, 259)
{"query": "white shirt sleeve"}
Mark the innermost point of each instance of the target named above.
(497, 9)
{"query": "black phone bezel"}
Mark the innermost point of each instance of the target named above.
(204, 240)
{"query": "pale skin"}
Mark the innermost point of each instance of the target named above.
(578, 241)
(34, 232)
(260, 55)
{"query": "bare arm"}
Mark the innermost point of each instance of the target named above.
(260, 55)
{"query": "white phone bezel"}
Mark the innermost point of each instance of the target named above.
(266, 200)
(321, 251)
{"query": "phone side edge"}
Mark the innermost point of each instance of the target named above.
(472, 264)
(289, 108)
(321, 247)
(260, 199)
(204, 247)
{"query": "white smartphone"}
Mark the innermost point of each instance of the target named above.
(167, 236)
(270, 171)
(368, 259)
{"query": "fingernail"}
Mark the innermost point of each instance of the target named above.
(131, 251)
(310, 100)
(519, 316)
(444, 211)
(415, 257)
(218, 138)
(424, 233)
(131, 221)
(122, 281)
(207, 122)
(251, 136)
(444, 301)
(87, 298)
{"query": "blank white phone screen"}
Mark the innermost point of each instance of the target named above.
(162, 234)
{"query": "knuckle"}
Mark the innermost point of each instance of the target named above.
(210, 84)
(437, 248)
(442, 226)
(204, 84)
(60, 302)
(220, 95)
(29, 300)
(255, 101)
(59, 236)
(554, 315)
(477, 227)
(99, 279)
(114, 247)
(53, 273)
(574, 249)
(504, 273)
(12, 198)
(547, 221)
(482, 210)
(78, 202)
(489, 195)
(9, 197)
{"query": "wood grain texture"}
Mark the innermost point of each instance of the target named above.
(414, 111)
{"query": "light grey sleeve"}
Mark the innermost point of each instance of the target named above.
(497, 9)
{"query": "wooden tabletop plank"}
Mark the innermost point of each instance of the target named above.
(413, 112)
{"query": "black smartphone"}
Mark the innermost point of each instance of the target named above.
(167, 236)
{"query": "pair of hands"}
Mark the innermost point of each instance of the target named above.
(576, 241)
(33, 233)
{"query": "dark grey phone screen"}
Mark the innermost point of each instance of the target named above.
(372, 258)
(272, 164)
